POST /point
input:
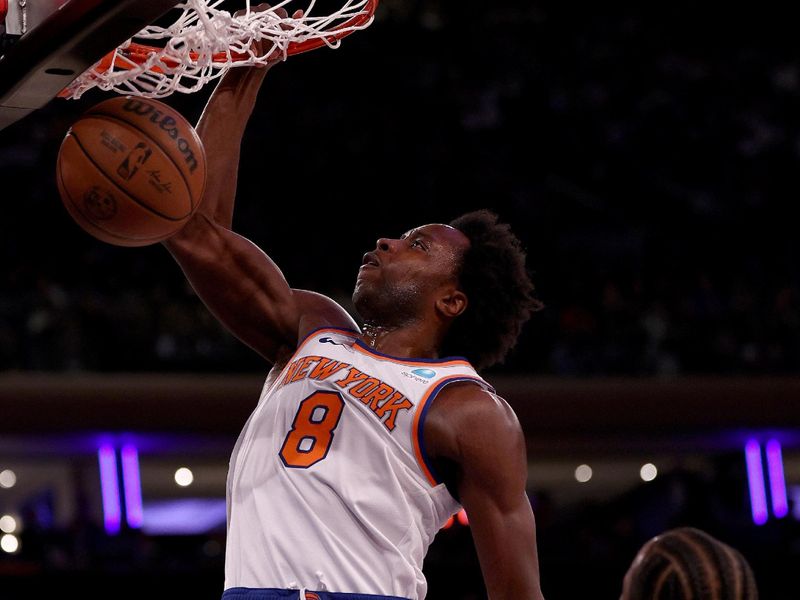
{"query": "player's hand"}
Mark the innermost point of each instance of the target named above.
(264, 47)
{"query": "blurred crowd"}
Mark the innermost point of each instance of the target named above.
(646, 157)
(583, 552)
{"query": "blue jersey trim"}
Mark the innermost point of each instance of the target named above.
(242, 593)
(421, 423)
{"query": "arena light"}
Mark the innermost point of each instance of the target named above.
(8, 524)
(8, 478)
(777, 482)
(132, 482)
(648, 472)
(184, 477)
(9, 543)
(755, 481)
(184, 516)
(109, 486)
(583, 473)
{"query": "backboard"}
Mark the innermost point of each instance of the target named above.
(58, 40)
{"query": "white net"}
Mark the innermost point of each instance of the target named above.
(204, 42)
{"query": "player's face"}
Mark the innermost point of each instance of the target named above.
(402, 277)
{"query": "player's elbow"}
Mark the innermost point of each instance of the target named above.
(200, 237)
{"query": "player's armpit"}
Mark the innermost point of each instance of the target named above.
(479, 432)
(246, 291)
(318, 311)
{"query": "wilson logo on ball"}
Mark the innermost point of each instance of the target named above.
(131, 172)
(165, 122)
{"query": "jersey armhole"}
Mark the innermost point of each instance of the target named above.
(417, 428)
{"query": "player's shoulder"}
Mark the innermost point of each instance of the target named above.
(468, 420)
(316, 312)
(473, 395)
(468, 404)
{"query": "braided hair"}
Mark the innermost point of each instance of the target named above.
(689, 564)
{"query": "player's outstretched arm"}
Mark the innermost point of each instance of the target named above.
(480, 433)
(221, 128)
(235, 279)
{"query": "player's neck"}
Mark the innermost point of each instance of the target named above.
(409, 341)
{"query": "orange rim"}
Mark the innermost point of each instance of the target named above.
(137, 54)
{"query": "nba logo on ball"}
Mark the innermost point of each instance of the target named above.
(137, 157)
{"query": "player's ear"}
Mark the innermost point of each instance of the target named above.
(452, 304)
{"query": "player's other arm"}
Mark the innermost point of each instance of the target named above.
(479, 432)
(235, 279)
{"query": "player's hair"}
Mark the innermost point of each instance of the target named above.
(499, 291)
(688, 563)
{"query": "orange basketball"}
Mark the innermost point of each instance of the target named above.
(131, 171)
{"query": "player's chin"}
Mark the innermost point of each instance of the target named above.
(363, 292)
(360, 289)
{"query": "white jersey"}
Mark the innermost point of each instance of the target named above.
(329, 487)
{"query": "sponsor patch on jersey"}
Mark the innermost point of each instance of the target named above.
(419, 375)
(424, 373)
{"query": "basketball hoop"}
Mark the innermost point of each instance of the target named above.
(204, 42)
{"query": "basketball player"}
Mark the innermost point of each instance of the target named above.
(364, 442)
(687, 563)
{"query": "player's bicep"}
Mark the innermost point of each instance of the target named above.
(492, 480)
(491, 456)
(244, 289)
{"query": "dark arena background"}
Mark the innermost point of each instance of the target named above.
(646, 156)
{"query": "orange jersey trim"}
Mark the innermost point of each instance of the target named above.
(305, 341)
(351, 332)
(361, 347)
(419, 421)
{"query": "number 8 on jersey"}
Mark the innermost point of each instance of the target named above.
(311, 435)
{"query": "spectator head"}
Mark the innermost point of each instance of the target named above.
(688, 564)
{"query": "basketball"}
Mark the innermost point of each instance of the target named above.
(131, 171)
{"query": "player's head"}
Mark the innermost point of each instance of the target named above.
(688, 563)
(412, 278)
(493, 276)
(469, 278)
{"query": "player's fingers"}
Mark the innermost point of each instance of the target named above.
(298, 14)
(259, 8)
(265, 47)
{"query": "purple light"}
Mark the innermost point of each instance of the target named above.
(755, 480)
(110, 488)
(185, 516)
(133, 486)
(777, 483)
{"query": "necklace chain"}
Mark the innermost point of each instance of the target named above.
(23, 16)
